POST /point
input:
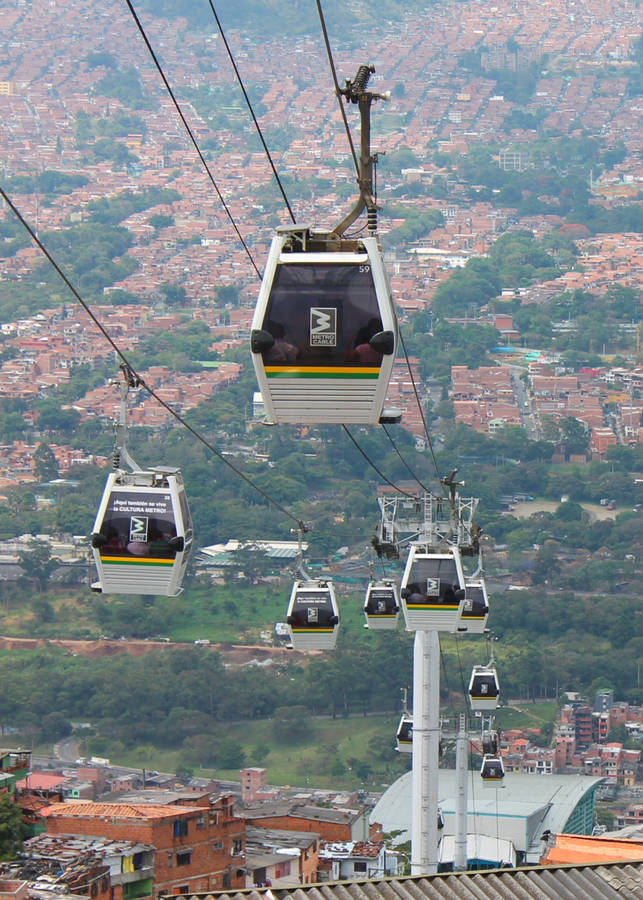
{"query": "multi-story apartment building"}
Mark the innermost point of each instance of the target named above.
(193, 848)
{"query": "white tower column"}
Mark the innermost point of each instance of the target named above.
(462, 772)
(426, 751)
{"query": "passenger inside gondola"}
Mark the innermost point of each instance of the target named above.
(163, 544)
(360, 349)
(436, 591)
(282, 350)
(113, 541)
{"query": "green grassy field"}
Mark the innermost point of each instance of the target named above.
(327, 756)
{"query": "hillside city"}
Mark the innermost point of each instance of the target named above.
(510, 179)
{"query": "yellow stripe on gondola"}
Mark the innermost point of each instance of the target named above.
(432, 608)
(137, 561)
(322, 371)
(311, 630)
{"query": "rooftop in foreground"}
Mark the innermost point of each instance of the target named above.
(610, 881)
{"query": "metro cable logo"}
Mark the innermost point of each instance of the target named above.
(138, 528)
(323, 326)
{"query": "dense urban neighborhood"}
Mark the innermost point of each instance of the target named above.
(182, 742)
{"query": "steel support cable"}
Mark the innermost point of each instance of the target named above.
(191, 135)
(421, 411)
(403, 461)
(141, 381)
(355, 160)
(252, 113)
(337, 88)
(373, 466)
(466, 701)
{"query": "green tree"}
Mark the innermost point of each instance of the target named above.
(173, 293)
(13, 830)
(38, 564)
(575, 435)
(45, 464)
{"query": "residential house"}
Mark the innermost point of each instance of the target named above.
(194, 847)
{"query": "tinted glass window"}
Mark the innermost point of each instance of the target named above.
(381, 601)
(312, 609)
(138, 524)
(433, 579)
(474, 603)
(321, 314)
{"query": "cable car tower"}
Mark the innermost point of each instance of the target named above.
(324, 333)
(440, 531)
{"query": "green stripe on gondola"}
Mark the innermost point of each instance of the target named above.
(432, 608)
(128, 561)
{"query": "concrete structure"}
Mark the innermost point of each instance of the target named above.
(519, 812)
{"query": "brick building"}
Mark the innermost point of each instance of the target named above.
(331, 824)
(195, 847)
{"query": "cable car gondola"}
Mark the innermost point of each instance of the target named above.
(142, 535)
(324, 333)
(492, 771)
(404, 736)
(475, 610)
(313, 615)
(432, 590)
(484, 688)
(381, 605)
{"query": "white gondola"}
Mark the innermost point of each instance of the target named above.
(324, 332)
(432, 590)
(313, 615)
(404, 735)
(492, 771)
(381, 605)
(475, 610)
(142, 535)
(484, 689)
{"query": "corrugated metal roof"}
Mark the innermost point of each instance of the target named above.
(116, 811)
(612, 881)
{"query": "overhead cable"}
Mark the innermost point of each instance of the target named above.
(191, 135)
(337, 87)
(137, 375)
(254, 118)
(421, 411)
(373, 466)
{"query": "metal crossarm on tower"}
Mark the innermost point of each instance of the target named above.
(431, 521)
